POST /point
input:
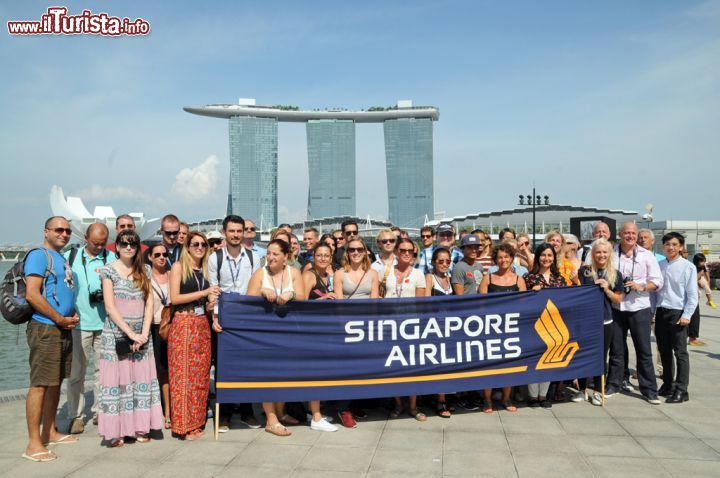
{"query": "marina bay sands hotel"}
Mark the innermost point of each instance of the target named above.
(331, 158)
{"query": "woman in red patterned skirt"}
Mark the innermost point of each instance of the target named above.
(189, 347)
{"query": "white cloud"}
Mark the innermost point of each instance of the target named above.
(199, 182)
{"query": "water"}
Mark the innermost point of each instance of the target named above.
(14, 373)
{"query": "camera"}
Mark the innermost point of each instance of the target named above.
(96, 296)
(627, 288)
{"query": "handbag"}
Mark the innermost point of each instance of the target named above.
(165, 321)
(382, 287)
(123, 346)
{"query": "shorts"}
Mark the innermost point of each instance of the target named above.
(50, 354)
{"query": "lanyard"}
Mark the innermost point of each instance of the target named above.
(159, 292)
(620, 254)
(200, 283)
(234, 274)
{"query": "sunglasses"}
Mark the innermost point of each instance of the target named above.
(124, 244)
(406, 251)
(355, 249)
(159, 254)
(61, 230)
(251, 229)
(351, 233)
(387, 241)
(214, 242)
(198, 245)
(426, 236)
(524, 243)
(446, 234)
(443, 261)
(126, 226)
(171, 233)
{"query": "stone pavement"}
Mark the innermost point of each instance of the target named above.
(628, 438)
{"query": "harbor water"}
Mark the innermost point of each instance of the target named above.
(14, 373)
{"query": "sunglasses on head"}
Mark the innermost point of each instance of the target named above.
(355, 249)
(159, 254)
(125, 244)
(198, 245)
(171, 233)
(61, 230)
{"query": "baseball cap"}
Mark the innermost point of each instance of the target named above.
(214, 235)
(470, 240)
(444, 228)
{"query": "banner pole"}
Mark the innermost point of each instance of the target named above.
(602, 391)
(217, 420)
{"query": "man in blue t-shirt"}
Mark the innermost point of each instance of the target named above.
(52, 296)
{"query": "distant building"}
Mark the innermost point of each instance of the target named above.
(331, 158)
(409, 166)
(253, 168)
(331, 166)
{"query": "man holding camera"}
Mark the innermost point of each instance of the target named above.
(86, 264)
(641, 275)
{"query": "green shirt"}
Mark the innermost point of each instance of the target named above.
(86, 275)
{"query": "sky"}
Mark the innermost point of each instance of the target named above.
(602, 104)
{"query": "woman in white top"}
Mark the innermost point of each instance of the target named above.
(277, 283)
(160, 286)
(405, 281)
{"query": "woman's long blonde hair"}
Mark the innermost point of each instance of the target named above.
(610, 269)
(187, 262)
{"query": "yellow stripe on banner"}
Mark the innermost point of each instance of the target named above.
(372, 381)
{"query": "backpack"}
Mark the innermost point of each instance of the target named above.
(13, 304)
(219, 257)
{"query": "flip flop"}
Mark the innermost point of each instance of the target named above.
(64, 440)
(36, 456)
(509, 407)
(278, 430)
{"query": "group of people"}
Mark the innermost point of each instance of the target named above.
(149, 314)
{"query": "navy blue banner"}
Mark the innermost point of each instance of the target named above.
(344, 349)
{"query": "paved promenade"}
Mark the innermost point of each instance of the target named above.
(628, 438)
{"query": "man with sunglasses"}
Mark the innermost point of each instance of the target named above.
(427, 237)
(170, 230)
(122, 223)
(86, 264)
(52, 297)
(230, 267)
(249, 239)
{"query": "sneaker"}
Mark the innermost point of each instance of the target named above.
(347, 419)
(322, 426)
(596, 399)
(577, 397)
(327, 418)
(609, 392)
(534, 403)
(76, 426)
(250, 421)
(627, 386)
(223, 428)
(653, 400)
(712, 304)
(546, 403)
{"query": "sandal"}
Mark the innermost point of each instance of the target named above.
(289, 420)
(117, 443)
(168, 424)
(40, 456)
(396, 412)
(487, 407)
(278, 430)
(195, 435)
(443, 410)
(417, 415)
(508, 406)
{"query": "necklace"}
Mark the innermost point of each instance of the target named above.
(400, 282)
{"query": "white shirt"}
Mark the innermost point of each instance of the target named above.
(414, 280)
(679, 290)
(642, 268)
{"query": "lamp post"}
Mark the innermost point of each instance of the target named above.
(534, 201)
